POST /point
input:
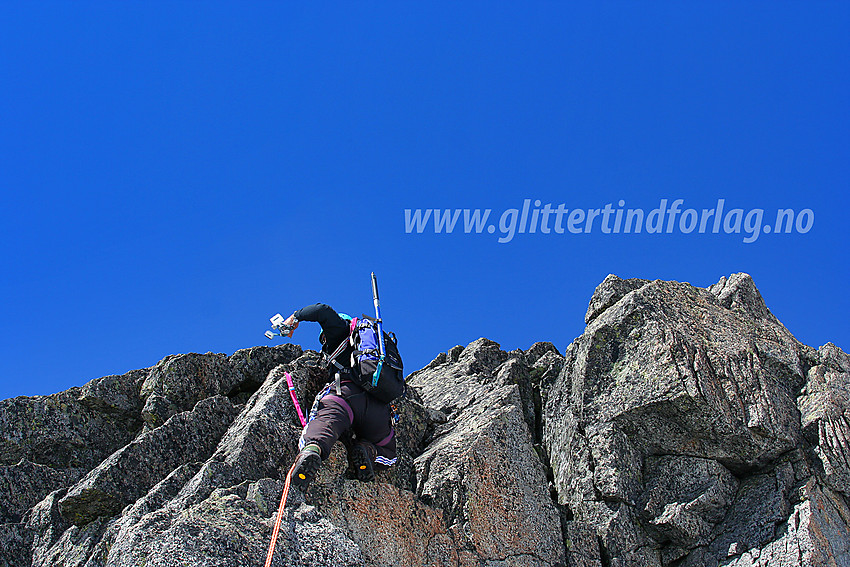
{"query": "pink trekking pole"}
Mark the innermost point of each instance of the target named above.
(294, 399)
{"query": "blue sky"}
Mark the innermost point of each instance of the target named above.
(173, 174)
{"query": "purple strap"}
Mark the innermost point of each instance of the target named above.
(343, 403)
(386, 439)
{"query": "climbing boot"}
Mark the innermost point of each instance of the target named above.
(361, 457)
(306, 465)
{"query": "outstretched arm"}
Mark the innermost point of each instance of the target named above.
(334, 326)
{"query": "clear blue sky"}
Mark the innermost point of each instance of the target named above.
(173, 174)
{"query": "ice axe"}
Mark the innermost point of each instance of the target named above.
(381, 346)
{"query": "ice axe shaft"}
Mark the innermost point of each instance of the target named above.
(382, 347)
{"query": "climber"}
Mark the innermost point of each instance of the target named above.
(342, 408)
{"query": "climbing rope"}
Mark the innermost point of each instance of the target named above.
(279, 515)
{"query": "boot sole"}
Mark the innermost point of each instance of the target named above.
(362, 464)
(306, 469)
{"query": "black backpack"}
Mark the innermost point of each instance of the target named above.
(383, 379)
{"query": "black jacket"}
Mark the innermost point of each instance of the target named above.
(334, 327)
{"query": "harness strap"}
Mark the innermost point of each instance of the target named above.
(377, 374)
(366, 351)
(339, 350)
(343, 344)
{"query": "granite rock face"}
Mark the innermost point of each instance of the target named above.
(689, 427)
(685, 427)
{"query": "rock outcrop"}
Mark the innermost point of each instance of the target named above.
(689, 427)
(685, 427)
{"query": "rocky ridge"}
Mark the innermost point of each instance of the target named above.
(685, 427)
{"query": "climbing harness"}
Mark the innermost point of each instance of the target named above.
(280, 515)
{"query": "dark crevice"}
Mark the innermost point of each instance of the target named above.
(743, 471)
(242, 392)
(604, 556)
(537, 398)
(806, 364)
(580, 430)
(565, 513)
(566, 516)
(613, 499)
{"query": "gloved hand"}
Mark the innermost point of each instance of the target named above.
(292, 323)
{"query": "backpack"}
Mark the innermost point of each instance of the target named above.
(382, 379)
